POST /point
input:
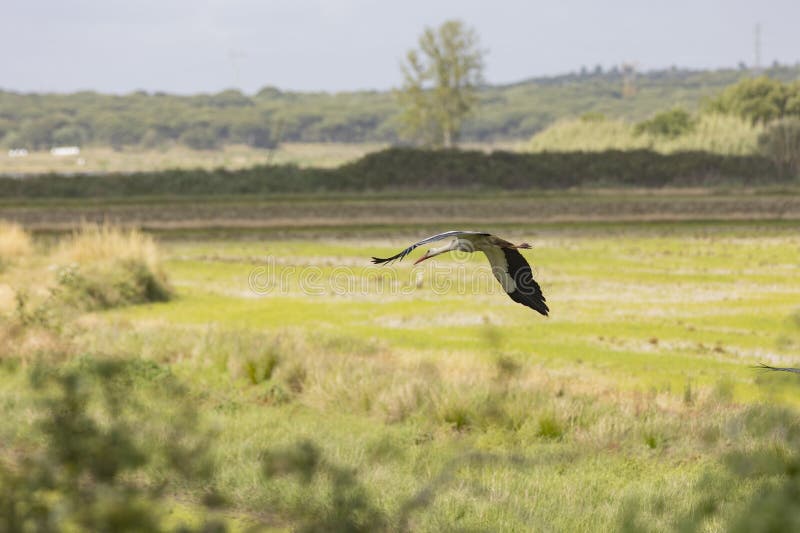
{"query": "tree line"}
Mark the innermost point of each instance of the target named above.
(207, 121)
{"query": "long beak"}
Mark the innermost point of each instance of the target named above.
(427, 255)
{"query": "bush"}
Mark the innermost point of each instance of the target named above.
(781, 143)
(103, 266)
(118, 130)
(672, 123)
(13, 140)
(200, 138)
(254, 134)
(759, 100)
(152, 139)
(69, 136)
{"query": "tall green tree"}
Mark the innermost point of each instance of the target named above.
(759, 99)
(441, 81)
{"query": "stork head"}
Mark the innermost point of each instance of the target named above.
(427, 255)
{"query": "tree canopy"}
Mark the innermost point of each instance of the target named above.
(760, 99)
(441, 81)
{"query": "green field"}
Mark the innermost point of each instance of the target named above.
(423, 398)
(722, 134)
(103, 159)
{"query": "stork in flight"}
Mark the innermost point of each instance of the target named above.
(508, 265)
(764, 366)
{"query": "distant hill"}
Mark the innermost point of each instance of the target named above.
(206, 121)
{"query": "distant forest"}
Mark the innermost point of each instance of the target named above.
(208, 121)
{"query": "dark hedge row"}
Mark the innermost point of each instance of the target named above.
(417, 169)
(405, 168)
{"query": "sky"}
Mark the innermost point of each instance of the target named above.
(191, 46)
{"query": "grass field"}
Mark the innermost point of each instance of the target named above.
(720, 134)
(104, 159)
(99, 160)
(341, 396)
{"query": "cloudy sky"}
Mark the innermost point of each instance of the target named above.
(190, 46)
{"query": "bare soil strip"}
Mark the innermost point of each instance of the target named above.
(300, 213)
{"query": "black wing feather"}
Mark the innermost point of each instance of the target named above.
(779, 369)
(528, 292)
(401, 255)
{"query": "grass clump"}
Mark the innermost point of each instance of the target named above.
(457, 415)
(549, 427)
(14, 243)
(103, 266)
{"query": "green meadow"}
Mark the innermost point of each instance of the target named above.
(333, 395)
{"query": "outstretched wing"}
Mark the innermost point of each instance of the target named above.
(515, 275)
(433, 238)
(767, 367)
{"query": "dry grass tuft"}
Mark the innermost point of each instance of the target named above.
(96, 243)
(14, 242)
(103, 266)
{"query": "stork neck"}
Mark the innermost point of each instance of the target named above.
(444, 249)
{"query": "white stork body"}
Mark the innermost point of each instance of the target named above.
(509, 267)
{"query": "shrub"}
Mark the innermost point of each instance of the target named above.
(253, 133)
(759, 100)
(671, 124)
(12, 139)
(152, 139)
(118, 129)
(200, 138)
(104, 266)
(69, 135)
(549, 427)
(781, 143)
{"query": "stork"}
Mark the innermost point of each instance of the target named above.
(509, 267)
(764, 366)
